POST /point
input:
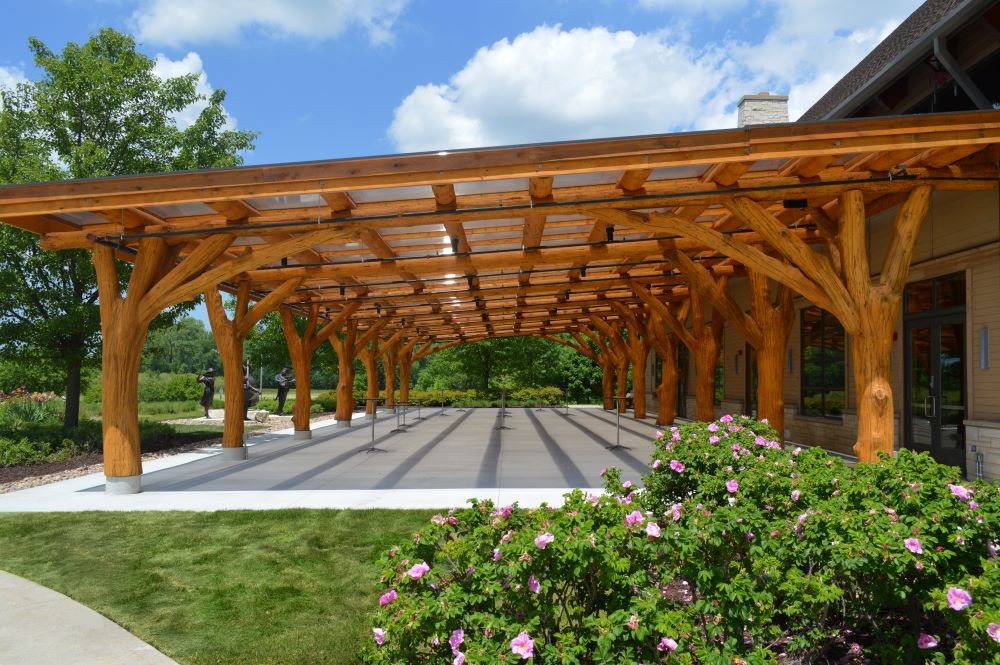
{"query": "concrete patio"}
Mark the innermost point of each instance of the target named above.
(439, 461)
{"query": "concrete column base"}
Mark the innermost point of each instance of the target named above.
(343, 423)
(303, 435)
(237, 453)
(122, 484)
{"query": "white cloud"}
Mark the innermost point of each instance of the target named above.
(557, 84)
(166, 68)
(11, 76)
(177, 22)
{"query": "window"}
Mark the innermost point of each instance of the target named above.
(823, 392)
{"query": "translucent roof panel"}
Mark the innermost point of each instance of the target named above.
(181, 210)
(82, 218)
(584, 179)
(491, 186)
(385, 194)
(497, 248)
(489, 223)
(426, 228)
(285, 202)
(767, 165)
(678, 172)
(494, 236)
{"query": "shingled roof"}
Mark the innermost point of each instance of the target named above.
(915, 29)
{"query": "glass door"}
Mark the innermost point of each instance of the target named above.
(935, 392)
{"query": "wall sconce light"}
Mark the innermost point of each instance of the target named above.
(984, 348)
(791, 362)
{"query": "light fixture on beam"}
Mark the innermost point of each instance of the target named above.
(470, 281)
(793, 204)
(454, 244)
(583, 271)
(610, 231)
(343, 290)
(378, 309)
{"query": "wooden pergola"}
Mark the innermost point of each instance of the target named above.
(613, 247)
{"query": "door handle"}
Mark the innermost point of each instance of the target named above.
(930, 407)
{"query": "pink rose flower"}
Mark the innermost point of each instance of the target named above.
(523, 646)
(627, 484)
(633, 518)
(379, 636)
(795, 495)
(712, 427)
(732, 486)
(926, 641)
(438, 519)
(913, 545)
(543, 541)
(676, 511)
(959, 491)
(653, 530)
(633, 622)
(993, 630)
(659, 434)
(456, 639)
(496, 554)
(387, 598)
(418, 570)
(713, 439)
(534, 586)
(667, 644)
(459, 658)
(958, 599)
(657, 463)
(726, 419)
(677, 466)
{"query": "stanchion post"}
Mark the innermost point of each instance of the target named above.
(374, 407)
(618, 426)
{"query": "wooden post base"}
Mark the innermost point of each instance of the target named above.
(122, 484)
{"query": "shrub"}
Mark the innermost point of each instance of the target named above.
(737, 550)
(155, 387)
(20, 408)
(546, 396)
(327, 401)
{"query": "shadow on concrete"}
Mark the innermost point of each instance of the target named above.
(407, 465)
(625, 457)
(570, 471)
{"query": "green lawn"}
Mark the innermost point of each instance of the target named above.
(289, 586)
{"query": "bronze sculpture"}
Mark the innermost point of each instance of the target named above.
(251, 395)
(284, 381)
(208, 394)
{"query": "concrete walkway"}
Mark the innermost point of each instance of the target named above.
(440, 461)
(39, 626)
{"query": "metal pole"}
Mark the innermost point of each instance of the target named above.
(503, 410)
(374, 406)
(618, 426)
(441, 398)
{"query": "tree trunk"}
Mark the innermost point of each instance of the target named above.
(622, 371)
(303, 393)
(666, 393)
(371, 370)
(405, 371)
(706, 359)
(870, 352)
(120, 361)
(71, 415)
(608, 385)
(771, 383)
(232, 371)
(389, 365)
(639, 382)
(345, 388)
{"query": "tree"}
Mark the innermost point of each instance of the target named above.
(97, 110)
(185, 348)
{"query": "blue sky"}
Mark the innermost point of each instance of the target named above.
(332, 78)
(335, 78)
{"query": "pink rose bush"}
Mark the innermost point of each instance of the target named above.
(730, 549)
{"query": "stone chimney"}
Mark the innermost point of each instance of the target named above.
(762, 109)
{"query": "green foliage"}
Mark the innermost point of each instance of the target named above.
(547, 396)
(185, 347)
(50, 441)
(737, 550)
(265, 345)
(97, 110)
(327, 401)
(36, 375)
